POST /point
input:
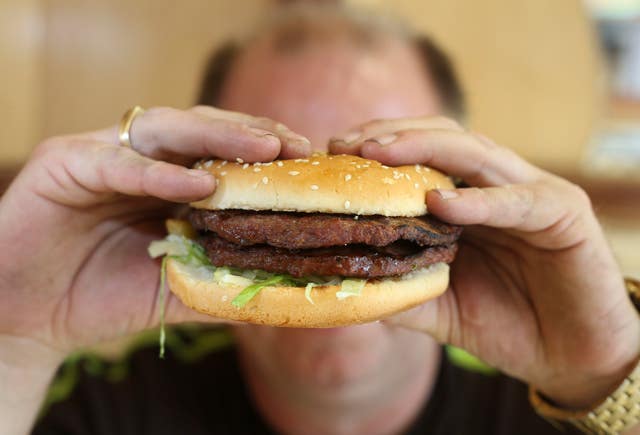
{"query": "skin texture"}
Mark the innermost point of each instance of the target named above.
(535, 290)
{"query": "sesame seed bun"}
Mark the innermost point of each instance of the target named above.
(322, 183)
(287, 306)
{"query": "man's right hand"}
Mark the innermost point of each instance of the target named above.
(75, 225)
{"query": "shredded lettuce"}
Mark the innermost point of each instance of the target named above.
(250, 292)
(183, 250)
(162, 295)
(180, 248)
(351, 287)
(307, 292)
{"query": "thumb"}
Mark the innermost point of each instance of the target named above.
(437, 317)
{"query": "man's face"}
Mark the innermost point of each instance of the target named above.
(321, 88)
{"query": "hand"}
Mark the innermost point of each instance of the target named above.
(534, 290)
(76, 222)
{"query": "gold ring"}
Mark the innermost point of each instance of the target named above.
(124, 129)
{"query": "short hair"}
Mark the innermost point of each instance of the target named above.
(437, 63)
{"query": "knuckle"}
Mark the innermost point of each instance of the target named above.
(581, 196)
(268, 121)
(56, 145)
(447, 122)
(48, 146)
(202, 108)
(373, 123)
(571, 193)
(490, 145)
(160, 112)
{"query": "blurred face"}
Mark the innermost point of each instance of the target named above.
(321, 88)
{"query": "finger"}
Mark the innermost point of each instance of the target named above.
(432, 318)
(176, 313)
(465, 155)
(293, 145)
(552, 213)
(179, 136)
(351, 142)
(82, 173)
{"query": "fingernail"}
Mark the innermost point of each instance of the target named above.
(198, 173)
(385, 139)
(348, 138)
(302, 140)
(281, 128)
(447, 194)
(263, 134)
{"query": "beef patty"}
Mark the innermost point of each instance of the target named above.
(316, 230)
(302, 244)
(359, 261)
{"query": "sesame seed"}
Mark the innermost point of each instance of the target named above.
(316, 163)
(347, 177)
(418, 169)
(224, 162)
(224, 298)
(356, 217)
(257, 169)
(387, 180)
(294, 173)
(267, 164)
(384, 167)
(245, 166)
(223, 173)
(280, 164)
(417, 186)
(408, 177)
(347, 204)
(257, 164)
(358, 166)
(301, 160)
(208, 164)
(239, 160)
(265, 180)
(314, 187)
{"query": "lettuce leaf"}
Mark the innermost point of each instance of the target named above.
(251, 291)
(307, 292)
(351, 287)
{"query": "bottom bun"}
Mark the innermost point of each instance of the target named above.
(287, 306)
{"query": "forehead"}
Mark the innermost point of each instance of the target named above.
(330, 83)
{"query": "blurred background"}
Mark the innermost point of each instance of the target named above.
(558, 81)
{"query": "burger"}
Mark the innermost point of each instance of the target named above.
(325, 241)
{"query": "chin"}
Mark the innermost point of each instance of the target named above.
(322, 358)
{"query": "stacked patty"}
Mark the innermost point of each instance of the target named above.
(303, 244)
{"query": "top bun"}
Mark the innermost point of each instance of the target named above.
(322, 183)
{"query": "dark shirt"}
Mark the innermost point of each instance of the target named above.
(208, 396)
